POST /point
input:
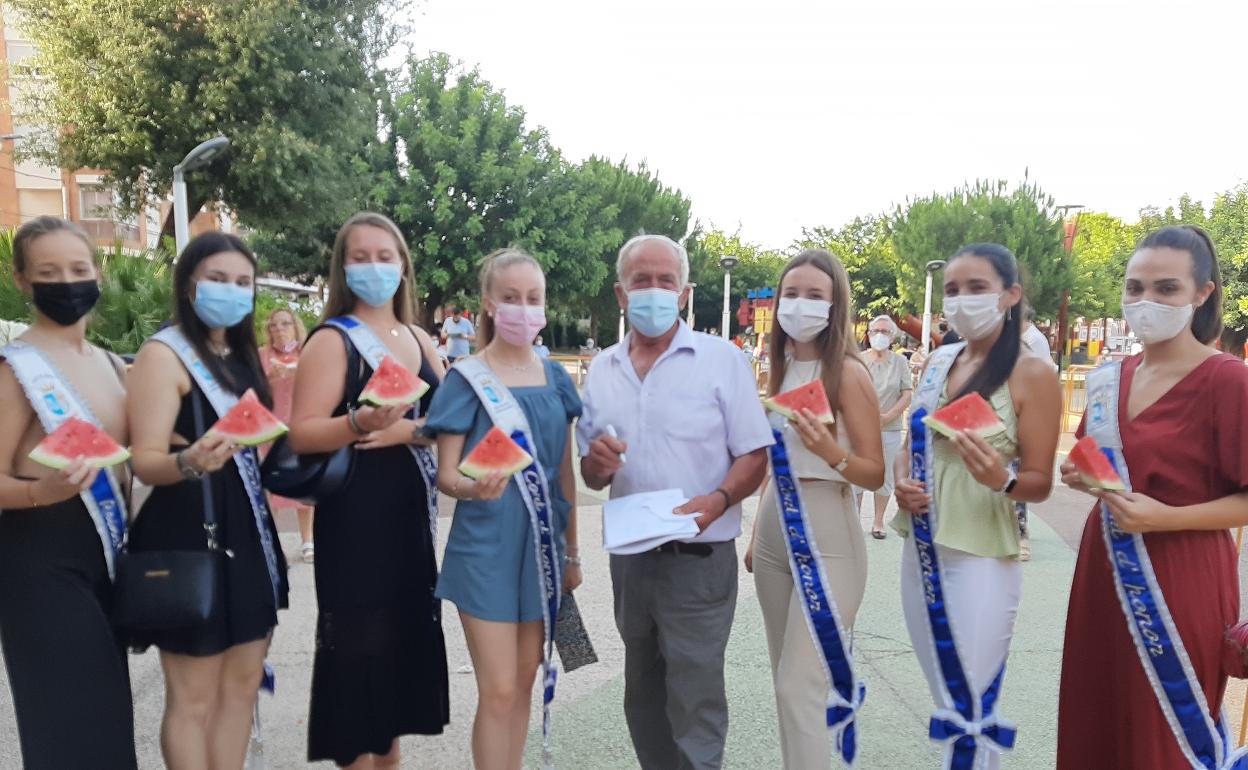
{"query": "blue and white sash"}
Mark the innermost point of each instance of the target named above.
(54, 400)
(373, 350)
(507, 415)
(972, 724)
(1202, 738)
(246, 461)
(846, 692)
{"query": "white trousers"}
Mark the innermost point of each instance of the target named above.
(981, 599)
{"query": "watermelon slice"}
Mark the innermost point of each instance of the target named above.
(393, 385)
(496, 452)
(78, 438)
(249, 423)
(971, 412)
(1094, 466)
(809, 396)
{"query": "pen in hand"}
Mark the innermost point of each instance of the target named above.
(610, 430)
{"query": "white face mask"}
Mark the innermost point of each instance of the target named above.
(880, 341)
(1154, 322)
(974, 316)
(803, 319)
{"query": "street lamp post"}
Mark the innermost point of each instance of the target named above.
(1068, 242)
(727, 263)
(203, 154)
(689, 310)
(932, 267)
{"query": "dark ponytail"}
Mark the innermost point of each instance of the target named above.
(1207, 320)
(999, 364)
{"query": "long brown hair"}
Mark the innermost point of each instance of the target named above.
(836, 342)
(301, 331)
(341, 300)
(494, 262)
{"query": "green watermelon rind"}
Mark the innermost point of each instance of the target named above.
(1091, 480)
(60, 461)
(375, 400)
(257, 437)
(475, 470)
(790, 414)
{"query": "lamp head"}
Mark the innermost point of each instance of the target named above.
(203, 154)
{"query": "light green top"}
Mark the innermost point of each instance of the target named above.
(971, 517)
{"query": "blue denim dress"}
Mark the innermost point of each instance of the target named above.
(490, 567)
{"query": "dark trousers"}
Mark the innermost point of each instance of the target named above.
(674, 612)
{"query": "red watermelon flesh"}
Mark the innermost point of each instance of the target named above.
(971, 412)
(1094, 467)
(495, 452)
(809, 396)
(393, 385)
(78, 438)
(249, 423)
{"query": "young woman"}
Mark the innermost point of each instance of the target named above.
(815, 332)
(971, 491)
(490, 568)
(1182, 421)
(380, 668)
(212, 671)
(67, 669)
(280, 359)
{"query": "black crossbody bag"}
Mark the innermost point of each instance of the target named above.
(312, 477)
(168, 590)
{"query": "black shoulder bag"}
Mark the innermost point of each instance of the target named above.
(167, 590)
(313, 477)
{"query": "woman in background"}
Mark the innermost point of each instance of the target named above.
(280, 359)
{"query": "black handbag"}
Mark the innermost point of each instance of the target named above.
(169, 590)
(311, 477)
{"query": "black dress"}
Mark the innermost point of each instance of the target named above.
(380, 668)
(173, 518)
(67, 668)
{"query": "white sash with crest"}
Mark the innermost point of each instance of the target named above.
(246, 461)
(507, 415)
(1202, 738)
(373, 350)
(54, 401)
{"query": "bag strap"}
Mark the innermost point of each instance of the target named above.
(210, 513)
(354, 385)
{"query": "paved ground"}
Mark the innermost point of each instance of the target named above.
(589, 724)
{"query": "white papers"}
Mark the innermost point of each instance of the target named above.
(644, 521)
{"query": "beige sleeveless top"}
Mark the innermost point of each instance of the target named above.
(806, 464)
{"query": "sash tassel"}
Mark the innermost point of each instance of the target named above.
(948, 725)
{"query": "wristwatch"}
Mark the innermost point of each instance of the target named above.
(842, 465)
(1011, 479)
(188, 471)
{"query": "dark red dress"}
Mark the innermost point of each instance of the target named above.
(1189, 447)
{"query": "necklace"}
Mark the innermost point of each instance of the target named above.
(522, 368)
(394, 332)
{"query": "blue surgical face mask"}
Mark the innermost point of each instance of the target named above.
(653, 311)
(374, 282)
(222, 305)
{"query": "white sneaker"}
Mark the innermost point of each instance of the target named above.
(309, 553)
(1024, 549)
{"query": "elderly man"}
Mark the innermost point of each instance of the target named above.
(890, 372)
(686, 412)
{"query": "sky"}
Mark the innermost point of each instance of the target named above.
(776, 115)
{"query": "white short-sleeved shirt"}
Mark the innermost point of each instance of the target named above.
(1035, 343)
(694, 413)
(458, 347)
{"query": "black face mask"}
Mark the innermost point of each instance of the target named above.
(66, 303)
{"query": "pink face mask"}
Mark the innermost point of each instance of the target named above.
(519, 324)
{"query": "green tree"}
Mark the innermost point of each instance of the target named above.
(757, 268)
(1103, 244)
(473, 175)
(866, 249)
(136, 297)
(1023, 219)
(294, 85)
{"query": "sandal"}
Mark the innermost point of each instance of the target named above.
(309, 553)
(879, 534)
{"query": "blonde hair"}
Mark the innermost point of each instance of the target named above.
(341, 300)
(494, 263)
(836, 342)
(40, 226)
(301, 331)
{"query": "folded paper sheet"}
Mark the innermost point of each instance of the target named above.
(640, 522)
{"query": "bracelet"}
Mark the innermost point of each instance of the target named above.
(455, 489)
(354, 424)
(30, 494)
(727, 497)
(188, 471)
(572, 561)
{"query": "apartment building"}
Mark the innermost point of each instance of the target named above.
(32, 188)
